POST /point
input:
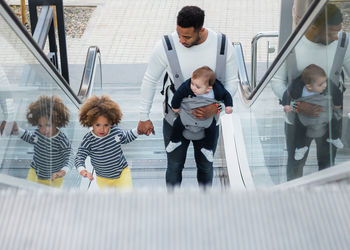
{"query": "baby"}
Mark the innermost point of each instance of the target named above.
(203, 83)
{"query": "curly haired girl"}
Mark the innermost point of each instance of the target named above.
(103, 143)
(53, 155)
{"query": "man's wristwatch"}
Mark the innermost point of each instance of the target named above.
(219, 108)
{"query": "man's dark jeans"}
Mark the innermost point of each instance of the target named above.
(176, 159)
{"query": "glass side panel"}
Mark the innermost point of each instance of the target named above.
(27, 108)
(310, 130)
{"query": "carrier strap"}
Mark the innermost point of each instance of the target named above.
(338, 61)
(173, 61)
(220, 70)
(174, 64)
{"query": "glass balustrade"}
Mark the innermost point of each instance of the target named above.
(320, 132)
(38, 117)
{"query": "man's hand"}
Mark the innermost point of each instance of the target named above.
(205, 111)
(308, 109)
(145, 128)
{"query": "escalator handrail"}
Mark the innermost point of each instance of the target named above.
(249, 95)
(334, 175)
(37, 52)
(93, 59)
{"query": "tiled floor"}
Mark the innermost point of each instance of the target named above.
(126, 31)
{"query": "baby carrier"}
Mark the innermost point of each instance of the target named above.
(194, 128)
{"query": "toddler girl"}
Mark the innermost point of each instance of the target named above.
(103, 143)
(52, 157)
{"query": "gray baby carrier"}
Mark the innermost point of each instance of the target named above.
(194, 128)
(316, 126)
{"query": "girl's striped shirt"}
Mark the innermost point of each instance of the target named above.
(106, 154)
(50, 154)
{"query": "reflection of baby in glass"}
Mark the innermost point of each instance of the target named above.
(52, 157)
(203, 83)
(311, 87)
(103, 143)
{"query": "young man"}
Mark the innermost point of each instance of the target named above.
(196, 46)
(318, 46)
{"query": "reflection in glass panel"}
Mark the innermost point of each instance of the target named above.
(31, 117)
(310, 86)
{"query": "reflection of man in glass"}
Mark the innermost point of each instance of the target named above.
(318, 46)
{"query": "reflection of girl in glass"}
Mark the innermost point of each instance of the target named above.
(103, 143)
(52, 157)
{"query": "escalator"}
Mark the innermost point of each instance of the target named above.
(252, 149)
(28, 74)
(251, 155)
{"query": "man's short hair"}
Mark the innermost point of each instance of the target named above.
(330, 15)
(206, 73)
(311, 73)
(191, 16)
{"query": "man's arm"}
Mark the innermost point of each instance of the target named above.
(155, 69)
(347, 60)
(231, 78)
(279, 82)
(205, 111)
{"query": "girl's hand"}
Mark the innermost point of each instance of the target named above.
(228, 110)
(58, 174)
(287, 108)
(86, 174)
(176, 110)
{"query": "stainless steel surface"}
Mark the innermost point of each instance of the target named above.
(92, 64)
(255, 41)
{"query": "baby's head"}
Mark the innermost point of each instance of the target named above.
(100, 113)
(48, 113)
(202, 80)
(314, 78)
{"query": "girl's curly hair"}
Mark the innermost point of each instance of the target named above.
(99, 106)
(50, 107)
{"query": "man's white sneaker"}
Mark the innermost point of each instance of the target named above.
(337, 142)
(208, 154)
(300, 153)
(172, 146)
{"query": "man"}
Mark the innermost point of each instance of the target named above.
(196, 46)
(318, 46)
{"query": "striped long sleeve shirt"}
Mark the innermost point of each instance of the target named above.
(106, 154)
(50, 154)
